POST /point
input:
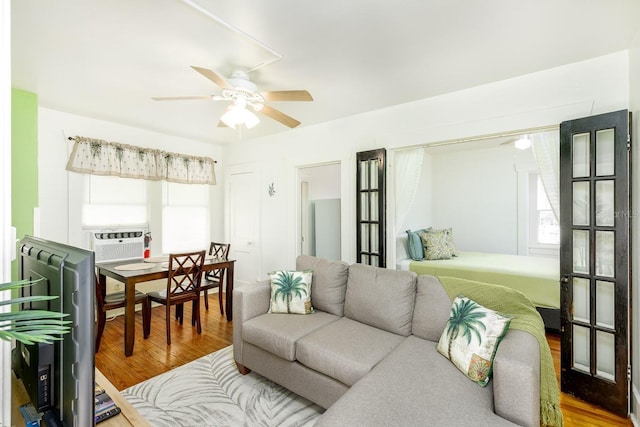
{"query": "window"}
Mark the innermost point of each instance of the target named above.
(185, 217)
(544, 229)
(111, 200)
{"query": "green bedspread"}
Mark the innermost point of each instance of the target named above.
(527, 318)
(536, 277)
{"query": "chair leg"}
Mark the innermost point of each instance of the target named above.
(206, 299)
(193, 313)
(197, 311)
(168, 321)
(102, 320)
(180, 312)
(220, 299)
(146, 318)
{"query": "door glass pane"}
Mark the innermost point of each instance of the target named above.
(605, 208)
(580, 155)
(373, 170)
(581, 354)
(374, 261)
(605, 304)
(581, 203)
(364, 175)
(374, 237)
(364, 206)
(581, 299)
(373, 197)
(581, 251)
(605, 355)
(605, 164)
(364, 243)
(605, 253)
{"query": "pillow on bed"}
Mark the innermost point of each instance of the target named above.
(414, 244)
(471, 337)
(438, 244)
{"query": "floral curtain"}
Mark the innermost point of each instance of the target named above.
(99, 157)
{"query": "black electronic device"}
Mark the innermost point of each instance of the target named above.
(59, 377)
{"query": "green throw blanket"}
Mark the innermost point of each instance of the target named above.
(527, 318)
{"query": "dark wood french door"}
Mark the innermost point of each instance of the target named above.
(371, 207)
(595, 255)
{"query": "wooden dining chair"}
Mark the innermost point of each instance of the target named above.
(106, 302)
(183, 285)
(215, 278)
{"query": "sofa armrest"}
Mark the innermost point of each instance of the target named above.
(516, 378)
(249, 301)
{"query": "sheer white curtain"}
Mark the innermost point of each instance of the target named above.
(408, 166)
(546, 150)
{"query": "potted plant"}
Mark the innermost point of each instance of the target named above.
(30, 326)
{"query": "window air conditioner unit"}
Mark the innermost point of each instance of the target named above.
(116, 245)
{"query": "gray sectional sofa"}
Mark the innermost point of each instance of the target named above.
(368, 353)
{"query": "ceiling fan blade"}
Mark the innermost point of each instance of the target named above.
(178, 98)
(279, 116)
(213, 76)
(287, 95)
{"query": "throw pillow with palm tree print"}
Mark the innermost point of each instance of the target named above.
(471, 337)
(291, 292)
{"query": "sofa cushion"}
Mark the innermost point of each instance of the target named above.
(278, 333)
(432, 308)
(291, 292)
(345, 350)
(380, 297)
(471, 337)
(414, 386)
(329, 283)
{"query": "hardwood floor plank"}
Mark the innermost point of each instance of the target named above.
(152, 357)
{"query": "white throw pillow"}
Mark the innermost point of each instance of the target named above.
(291, 292)
(471, 337)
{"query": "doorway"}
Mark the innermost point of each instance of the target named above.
(319, 211)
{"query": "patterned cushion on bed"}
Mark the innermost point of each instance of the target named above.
(438, 244)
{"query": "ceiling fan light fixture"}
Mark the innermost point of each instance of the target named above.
(523, 142)
(237, 114)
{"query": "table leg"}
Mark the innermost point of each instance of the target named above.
(229, 292)
(129, 318)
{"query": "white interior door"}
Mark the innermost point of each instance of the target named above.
(244, 209)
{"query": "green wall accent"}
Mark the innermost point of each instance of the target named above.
(24, 163)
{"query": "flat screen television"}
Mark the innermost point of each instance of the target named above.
(59, 377)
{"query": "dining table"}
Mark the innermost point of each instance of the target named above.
(132, 271)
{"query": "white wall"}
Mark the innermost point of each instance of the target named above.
(475, 192)
(540, 99)
(60, 192)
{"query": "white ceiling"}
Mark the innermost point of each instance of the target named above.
(106, 58)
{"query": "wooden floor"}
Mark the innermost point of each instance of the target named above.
(152, 357)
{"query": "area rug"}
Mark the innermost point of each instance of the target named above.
(210, 392)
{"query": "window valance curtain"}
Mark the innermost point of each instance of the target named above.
(98, 157)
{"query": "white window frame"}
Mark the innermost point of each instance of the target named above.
(535, 247)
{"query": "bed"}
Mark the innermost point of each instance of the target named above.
(536, 277)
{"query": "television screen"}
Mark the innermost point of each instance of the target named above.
(59, 377)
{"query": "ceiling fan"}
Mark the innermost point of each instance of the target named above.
(244, 95)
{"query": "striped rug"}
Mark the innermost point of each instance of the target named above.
(210, 392)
